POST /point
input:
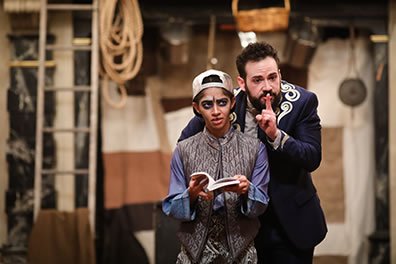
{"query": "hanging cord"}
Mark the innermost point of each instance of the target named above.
(121, 31)
(353, 73)
(211, 40)
(352, 60)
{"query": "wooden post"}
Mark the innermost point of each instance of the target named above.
(94, 114)
(392, 126)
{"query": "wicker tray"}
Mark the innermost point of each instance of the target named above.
(262, 20)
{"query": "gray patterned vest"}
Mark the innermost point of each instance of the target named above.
(234, 154)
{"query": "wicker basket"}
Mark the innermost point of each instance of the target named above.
(262, 20)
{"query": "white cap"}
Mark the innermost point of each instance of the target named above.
(225, 82)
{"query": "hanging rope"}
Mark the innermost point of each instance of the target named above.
(121, 31)
(211, 42)
(352, 59)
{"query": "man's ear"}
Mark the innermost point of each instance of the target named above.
(280, 75)
(241, 83)
(196, 107)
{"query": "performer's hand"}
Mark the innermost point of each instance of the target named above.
(267, 119)
(241, 188)
(195, 188)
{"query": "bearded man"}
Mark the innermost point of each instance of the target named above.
(284, 117)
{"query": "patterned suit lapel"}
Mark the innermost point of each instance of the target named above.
(289, 95)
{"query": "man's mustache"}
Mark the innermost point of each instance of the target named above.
(264, 94)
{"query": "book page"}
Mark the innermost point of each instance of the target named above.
(222, 183)
(197, 174)
(214, 185)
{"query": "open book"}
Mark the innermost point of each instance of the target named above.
(213, 184)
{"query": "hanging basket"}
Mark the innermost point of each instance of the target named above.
(262, 20)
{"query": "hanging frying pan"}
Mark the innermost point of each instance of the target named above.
(352, 91)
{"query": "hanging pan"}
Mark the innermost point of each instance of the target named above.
(352, 91)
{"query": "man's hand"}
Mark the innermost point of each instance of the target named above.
(195, 189)
(267, 119)
(241, 188)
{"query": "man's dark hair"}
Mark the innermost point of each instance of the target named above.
(255, 52)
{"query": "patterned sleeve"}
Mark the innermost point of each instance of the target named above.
(177, 203)
(257, 198)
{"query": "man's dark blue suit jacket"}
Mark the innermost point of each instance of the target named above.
(291, 190)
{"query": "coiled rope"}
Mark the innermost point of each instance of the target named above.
(121, 31)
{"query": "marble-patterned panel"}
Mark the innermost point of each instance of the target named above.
(20, 157)
(19, 208)
(22, 93)
(82, 76)
(379, 248)
(379, 240)
(25, 47)
(21, 105)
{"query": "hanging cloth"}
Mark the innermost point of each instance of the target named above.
(62, 238)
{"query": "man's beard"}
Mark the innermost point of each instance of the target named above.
(256, 101)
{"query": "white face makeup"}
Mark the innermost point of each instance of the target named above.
(209, 104)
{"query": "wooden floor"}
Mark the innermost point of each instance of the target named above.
(330, 260)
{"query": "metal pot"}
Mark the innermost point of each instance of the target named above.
(352, 91)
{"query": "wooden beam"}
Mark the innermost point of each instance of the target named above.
(392, 126)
